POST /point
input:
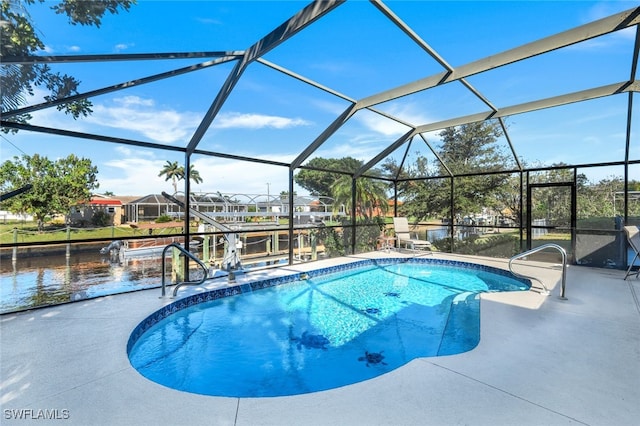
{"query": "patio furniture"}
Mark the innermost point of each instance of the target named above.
(403, 234)
(633, 236)
(387, 243)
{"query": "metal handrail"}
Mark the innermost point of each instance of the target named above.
(190, 256)
(535, 250)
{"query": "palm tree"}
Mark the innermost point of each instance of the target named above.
(173, 171)
(194, 175)
(371, 196)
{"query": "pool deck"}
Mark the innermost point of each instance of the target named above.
(540, 361)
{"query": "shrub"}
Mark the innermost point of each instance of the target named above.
(101, 219)
(500, 245)
(164, 219)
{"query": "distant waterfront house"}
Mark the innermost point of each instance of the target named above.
(230, 208)
(82, 214)
(8, 216)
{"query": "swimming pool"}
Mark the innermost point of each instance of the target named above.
(333, 327)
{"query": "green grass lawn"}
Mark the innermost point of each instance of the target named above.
(27, 232)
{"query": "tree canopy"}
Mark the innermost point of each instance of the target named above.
(319, 182)
(20, 38)
(371, 196)
(465, 150)
(57, 186)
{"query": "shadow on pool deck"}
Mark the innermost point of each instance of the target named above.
(540, 360)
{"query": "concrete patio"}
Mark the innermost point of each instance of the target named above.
(540, 361)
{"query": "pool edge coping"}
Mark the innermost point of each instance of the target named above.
(210, 295)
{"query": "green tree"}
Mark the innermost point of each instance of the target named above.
(371, 196)
(57, 185)
(284, 195)
(194, 175)
(634, 205)
(172, 170)
(466, 149)
(319, 182)
(20, 38)
(554, 203)
(473, 148)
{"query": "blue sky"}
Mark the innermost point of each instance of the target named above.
(353, 50)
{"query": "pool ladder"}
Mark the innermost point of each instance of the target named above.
(535, 250)
(191, 256)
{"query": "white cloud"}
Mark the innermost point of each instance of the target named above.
(256, 121)
(140, 115)
(602, 10)
(123, 46)
(135, 100)
(239, 176)
(139, 176)
(133, 176)
(128, 152)
(382, 125)
(135, 171)
(209, 21)
(387, 127)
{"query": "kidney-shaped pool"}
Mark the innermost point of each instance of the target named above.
(316, 331)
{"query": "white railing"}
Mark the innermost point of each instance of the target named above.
(535, 250)
(190, 256)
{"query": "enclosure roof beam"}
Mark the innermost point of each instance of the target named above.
(326, 134)
(26, 60)
(412, 34)
(328, 90)
(89, 136)
(402, 139)
(508, 138)
(555, 101)
(116, 87)
(636, 50)
(583, 95)
(240, 158)
(288, 29)
(632, 77)
(404, 158)
(304, 79)
(434, 152)
(427, 48)
(585, 32)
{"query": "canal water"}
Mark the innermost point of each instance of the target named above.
(30, 282)
(36, 281)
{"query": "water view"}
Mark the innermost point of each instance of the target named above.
(36, 281)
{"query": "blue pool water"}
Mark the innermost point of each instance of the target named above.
(329, 330)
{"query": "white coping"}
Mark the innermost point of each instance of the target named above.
(540, 361)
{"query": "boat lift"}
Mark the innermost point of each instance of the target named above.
(231, 258)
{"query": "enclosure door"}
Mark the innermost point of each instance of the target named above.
(551, 218)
